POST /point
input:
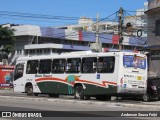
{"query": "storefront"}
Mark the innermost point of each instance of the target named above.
(6, 76)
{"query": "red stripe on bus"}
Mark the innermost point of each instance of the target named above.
(110, 82)
(90, 82)
(57, 79)
(48, 78)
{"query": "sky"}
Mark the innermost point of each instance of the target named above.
(13, 11)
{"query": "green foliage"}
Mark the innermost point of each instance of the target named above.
(7, 38)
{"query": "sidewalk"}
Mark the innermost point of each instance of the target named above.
(6, 90)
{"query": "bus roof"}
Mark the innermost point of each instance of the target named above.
(73, 54)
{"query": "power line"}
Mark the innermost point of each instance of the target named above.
(95, 23)
(37, 20)
(18, 14)
(50, 17)
(39, 16)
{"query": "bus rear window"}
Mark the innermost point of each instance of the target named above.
(134, 61)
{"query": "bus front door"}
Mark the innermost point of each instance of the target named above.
(18, 75)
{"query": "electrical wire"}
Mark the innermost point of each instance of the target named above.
(49, 17)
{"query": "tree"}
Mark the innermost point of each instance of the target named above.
(7, 38)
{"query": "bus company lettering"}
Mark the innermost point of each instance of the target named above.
(38, 75)
(43, 75)
(47, 75)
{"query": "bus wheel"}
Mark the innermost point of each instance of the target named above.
(86, 97)
(146, 97)
(53, 95)
(103, 97)
(30, 90)
(79, 92)
(35, 94)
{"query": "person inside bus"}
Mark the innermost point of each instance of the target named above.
(31, 68)
(102, 65)
(72, 67)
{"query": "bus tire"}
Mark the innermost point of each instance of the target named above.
(103, 97)
(98, 97)
(35, 94)
(53, 95)
(29, 90)
(146, 97)
(79, 92)
(86, 97)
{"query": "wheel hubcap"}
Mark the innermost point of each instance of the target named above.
(145, 97)
(30, 90)
(77, 94)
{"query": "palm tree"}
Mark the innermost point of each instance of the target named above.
(7, 38)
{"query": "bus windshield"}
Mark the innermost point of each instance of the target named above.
(132, 61)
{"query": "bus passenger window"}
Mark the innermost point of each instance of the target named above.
(45, 66)
(106, 64)
(89, 65)
(32, 67)
(58, 65)
(73, 65)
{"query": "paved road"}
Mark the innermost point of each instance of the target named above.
(10, 100)
(66, 109)
(154, 105)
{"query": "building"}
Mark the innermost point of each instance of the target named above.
(36, 40)
(138, 22)
(153, 38)
(153, 29)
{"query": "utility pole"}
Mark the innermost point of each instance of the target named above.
(120, 27)
(97, 46)
(97, 29)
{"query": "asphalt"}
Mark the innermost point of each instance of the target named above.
(153, 105)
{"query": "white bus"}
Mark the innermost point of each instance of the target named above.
(82, 74)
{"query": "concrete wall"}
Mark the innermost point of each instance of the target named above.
(152, 38)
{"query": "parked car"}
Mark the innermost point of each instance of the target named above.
(153, 90)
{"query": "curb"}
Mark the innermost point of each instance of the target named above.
(86, 102)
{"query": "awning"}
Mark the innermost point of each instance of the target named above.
(153, 47)
(154, 10)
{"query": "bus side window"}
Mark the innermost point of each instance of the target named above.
(32, 67)
(58, 65)
(106, 64)
(89, 65)
(73, 65)
(45, 66)
(111, 67)
(18, 71)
